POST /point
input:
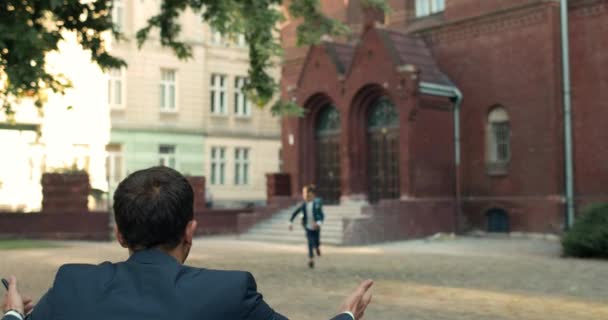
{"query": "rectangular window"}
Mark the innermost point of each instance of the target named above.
(241, 166)
(166, 156)
(114, 164)
(428, 7)
(281, 160)
(218, 94)
(168, 89)
(241, 105)
(218, 165)
(118, 13)
(501, 133)
(216, 37)
(116, 85)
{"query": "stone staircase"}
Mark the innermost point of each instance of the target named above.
(276, 230)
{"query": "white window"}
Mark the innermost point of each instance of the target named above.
(166, 156)
(241, 166)
(118, 13)
(168, 90)
(116, 88)
(499, 137)
(114, 164)
(428, 7)
(241, 105)
(218, 94)
(218, 165)
(216, 37)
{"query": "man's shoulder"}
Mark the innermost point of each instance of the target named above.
(80, 269)
(202, 273)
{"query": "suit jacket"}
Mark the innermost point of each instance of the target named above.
(317, 212)
(152, 285)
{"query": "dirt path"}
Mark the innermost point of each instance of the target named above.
(461, 279)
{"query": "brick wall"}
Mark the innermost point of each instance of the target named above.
(400, 220)
(507, 53)
(512, 60)
(64, 193)
(56, 225)
(589, 65)
(214, 222)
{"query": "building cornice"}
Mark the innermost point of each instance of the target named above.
(200, 132)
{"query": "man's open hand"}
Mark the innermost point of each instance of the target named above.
(358, 301)
(12, 299)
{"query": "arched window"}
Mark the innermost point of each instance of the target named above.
(498, 152)
(328, 121)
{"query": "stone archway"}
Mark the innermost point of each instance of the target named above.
(327, 145)
(375, 134)
(319, 150)
(383, 150)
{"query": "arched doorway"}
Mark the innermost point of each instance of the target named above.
(327, 140)
(498, 220)
(383, 148)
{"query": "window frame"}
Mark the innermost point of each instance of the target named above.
(112, 79)
(425, 8)
(164, 85)
(217, 167)
(242, 107)
(114, 155)
(218, 89)
(118, 6)
(498, 141)
(242, 166)
(165, 158)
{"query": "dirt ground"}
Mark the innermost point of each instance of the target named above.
(463, 278)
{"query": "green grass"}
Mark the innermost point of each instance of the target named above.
(17, 244)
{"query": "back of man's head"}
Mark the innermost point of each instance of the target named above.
(152, 208)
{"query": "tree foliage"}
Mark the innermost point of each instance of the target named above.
(29, 29)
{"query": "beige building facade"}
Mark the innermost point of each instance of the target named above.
(190, 115)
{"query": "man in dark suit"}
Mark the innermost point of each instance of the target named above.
(154, 218)
(312, 219)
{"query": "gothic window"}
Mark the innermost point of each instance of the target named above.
(498, 135)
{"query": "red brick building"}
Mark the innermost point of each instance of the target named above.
(381, 119)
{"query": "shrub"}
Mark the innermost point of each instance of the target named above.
(588, 237)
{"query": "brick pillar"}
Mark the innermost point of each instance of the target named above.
(65, 192)
(198, 186)
(277, 185)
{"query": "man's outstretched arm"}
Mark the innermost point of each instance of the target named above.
(255, 308)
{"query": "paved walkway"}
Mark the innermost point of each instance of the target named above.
(464, 278)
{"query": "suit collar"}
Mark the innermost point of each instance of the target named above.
(153, 256)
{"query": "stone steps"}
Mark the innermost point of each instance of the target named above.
(276, 229)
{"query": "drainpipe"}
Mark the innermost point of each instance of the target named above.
(456, 96)
(569, 163)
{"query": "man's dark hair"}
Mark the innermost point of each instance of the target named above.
(311, 188)
(152, 208)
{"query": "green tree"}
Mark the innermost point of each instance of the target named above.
(29, 29)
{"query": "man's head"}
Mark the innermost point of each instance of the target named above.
(309, 192)
(154, 209)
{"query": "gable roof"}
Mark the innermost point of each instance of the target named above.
(404, 49)
(341, 54)
(411, 49)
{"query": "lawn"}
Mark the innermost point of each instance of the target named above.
(14, 244)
